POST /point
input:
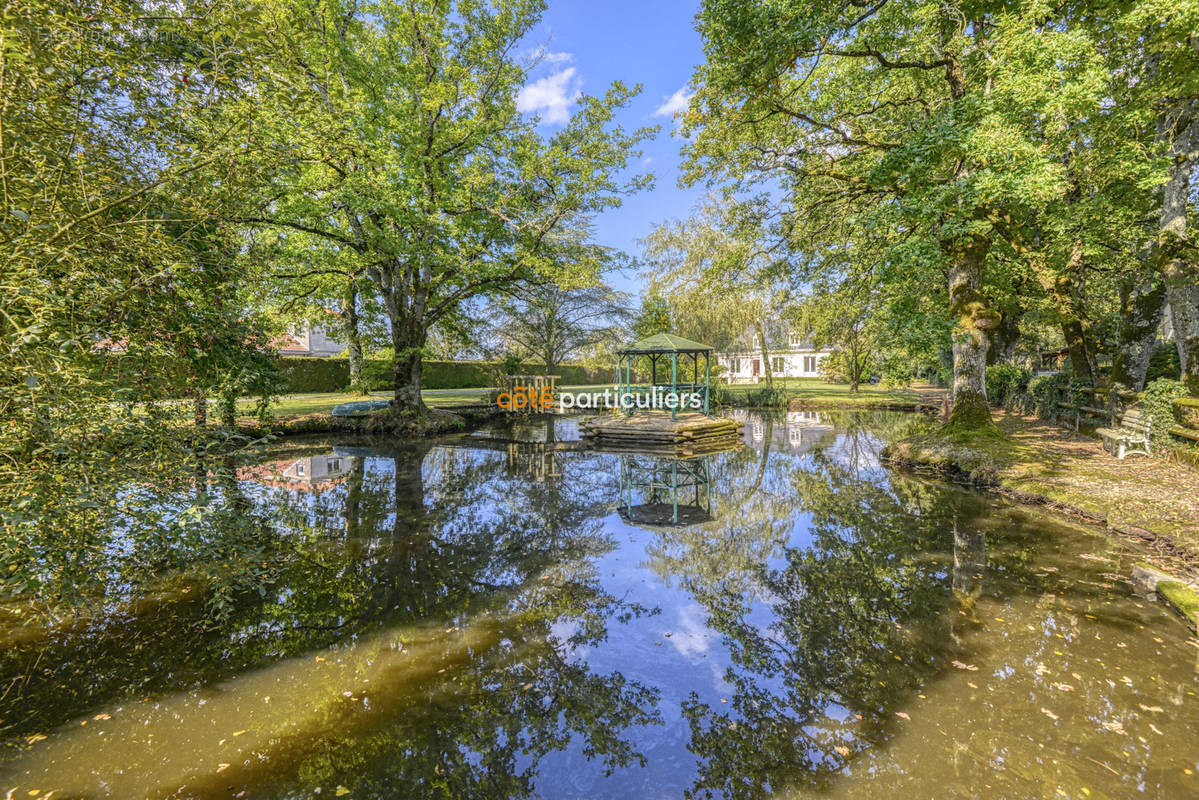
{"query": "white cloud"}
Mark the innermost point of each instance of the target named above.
(556, 58)
(675, 103)
(550, 97)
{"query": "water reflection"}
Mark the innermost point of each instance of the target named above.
(452, 620)
(664, 490)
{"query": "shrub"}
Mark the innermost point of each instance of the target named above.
(307, 374)
(1158, 405)
(1046, 390)
(1164, 363)
(766, 397)
(1007, 385)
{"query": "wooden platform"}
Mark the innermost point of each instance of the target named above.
(655, 431)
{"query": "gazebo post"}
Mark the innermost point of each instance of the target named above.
(707, 379)
(674, 382)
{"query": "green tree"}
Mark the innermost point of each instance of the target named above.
(551, 324)
(445, 191)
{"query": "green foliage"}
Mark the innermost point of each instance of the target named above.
(653, 316)
(1157, 402)
(1164, 363)
(1046, 392)
(1007, 385)
(306, 374)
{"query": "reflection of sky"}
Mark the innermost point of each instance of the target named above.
(672, 645)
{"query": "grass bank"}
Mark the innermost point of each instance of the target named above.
(1033, 461)
(815, 393)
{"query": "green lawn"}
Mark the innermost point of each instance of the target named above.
(818, 392)
(300, 404)
(812, 391)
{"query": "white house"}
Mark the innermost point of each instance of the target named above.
(791, 356)
(308, 340)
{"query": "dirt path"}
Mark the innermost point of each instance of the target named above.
(1150, 498)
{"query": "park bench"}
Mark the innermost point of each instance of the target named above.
(1132, 433)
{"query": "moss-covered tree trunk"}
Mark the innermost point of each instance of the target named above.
(1177, 256)
(1142, 300)
(1067, 297)
(972, 320)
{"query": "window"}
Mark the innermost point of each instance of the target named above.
(776, 363)
(810, 363)
(334, 465)
(300, 468)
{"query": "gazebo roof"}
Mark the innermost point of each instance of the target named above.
(664, 343)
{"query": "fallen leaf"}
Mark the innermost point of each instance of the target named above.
(969, 667)
(238, 733)
(1153, 728)
(902, 715)
(1049, 714)
(341, 790)
(1063, 687)
(102, 716)
(841, 750)
(222, 767)
(1154, 709)
(37, 737)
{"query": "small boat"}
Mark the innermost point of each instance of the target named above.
(360, 408)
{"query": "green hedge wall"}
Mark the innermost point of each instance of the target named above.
(303, 375)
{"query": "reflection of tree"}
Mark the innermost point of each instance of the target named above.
(439, 538)
(857, 617)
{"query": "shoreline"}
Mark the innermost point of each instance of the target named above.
(1019, 465)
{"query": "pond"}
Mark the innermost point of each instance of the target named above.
(504, 614)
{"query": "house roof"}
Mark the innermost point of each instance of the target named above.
(664, 343)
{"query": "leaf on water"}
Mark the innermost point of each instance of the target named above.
(841, 750)
(1154, 709)
(969, 667)
(1115, 727)
(1153, 728)
(222, 767)
(102, 715)
(1063, 687)
(902, 715)
(37, 737)
(319, 658)
(341, 790)
(971, 685)
(1049, 714)
(238, 733)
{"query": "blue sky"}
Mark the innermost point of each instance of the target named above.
(653, 43)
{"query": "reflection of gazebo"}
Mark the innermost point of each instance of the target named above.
(658, 492)
(664, 346)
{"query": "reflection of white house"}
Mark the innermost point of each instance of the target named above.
(308, 474)
(799, 430)
(790, 357)
(308, 340)
(315, 469)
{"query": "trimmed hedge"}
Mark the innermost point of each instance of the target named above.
(306, 374)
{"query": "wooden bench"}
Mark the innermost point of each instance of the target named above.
(1132, 433)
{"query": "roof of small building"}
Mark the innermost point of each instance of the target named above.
(664, 343)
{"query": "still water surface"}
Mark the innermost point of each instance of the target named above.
(505, 615)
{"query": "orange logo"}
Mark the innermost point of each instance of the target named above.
(522, 397)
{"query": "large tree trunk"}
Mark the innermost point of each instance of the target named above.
(1002, 339)
(1067, 297)
(1142, 300)
(350, 328)
(408, 341)
(1176, 253)
(972, 320)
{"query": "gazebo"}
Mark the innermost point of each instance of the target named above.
(662, 347)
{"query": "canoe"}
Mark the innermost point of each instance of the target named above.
(360, 408)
